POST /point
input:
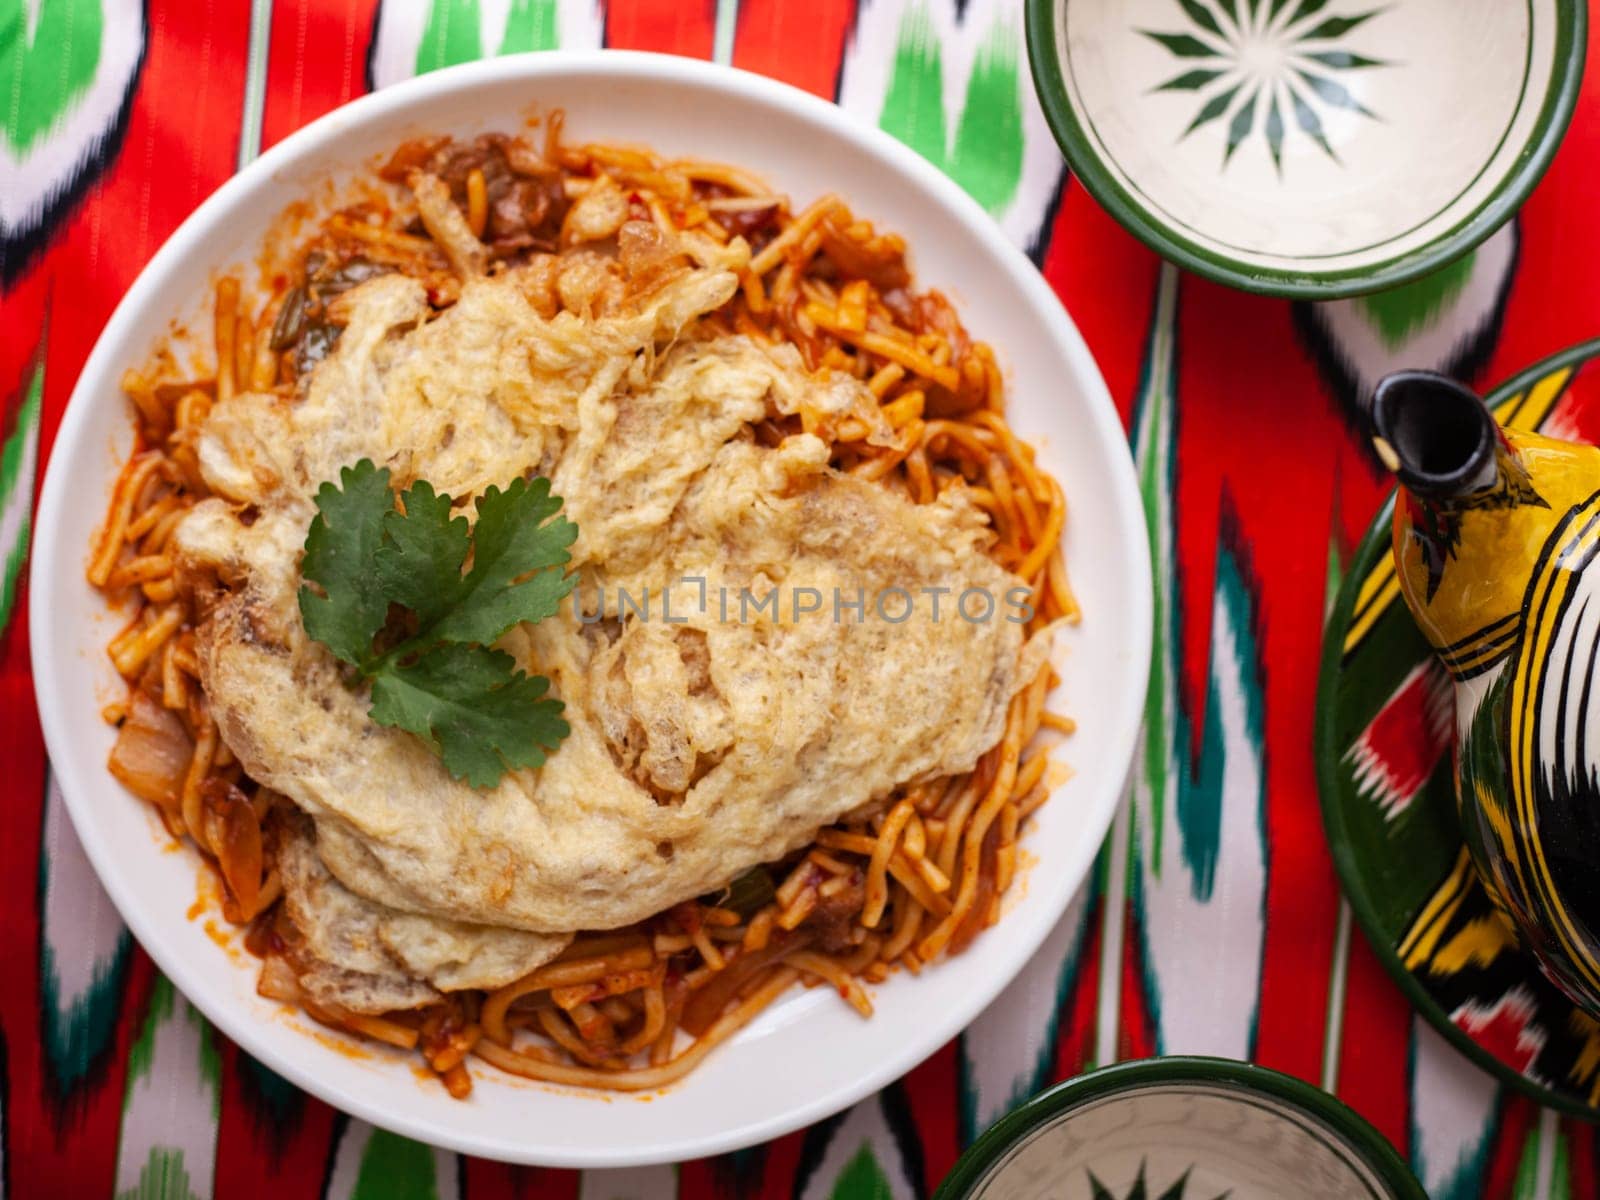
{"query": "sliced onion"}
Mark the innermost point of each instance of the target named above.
(277, 980)
(235, 837)
(706, 1005)
(152, 753)
(643, 249)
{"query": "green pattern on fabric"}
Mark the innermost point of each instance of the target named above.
(913, 106)
(395, 1168)
(1334, 580)
(210, 1060)
(1561, 1171)
(862, 1179)
(1200, 806)
(163, 1177)
(1153, 439)
(142, 1053)
(1526, 1184)
(76, 1036)
(1170, 770)
(16, 491)
(43, 75)
(1400, 313)
(986, 158)
(531, 25)
(255, 83)
(276, 1101)
(450, 36)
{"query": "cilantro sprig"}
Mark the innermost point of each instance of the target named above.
(443, 681)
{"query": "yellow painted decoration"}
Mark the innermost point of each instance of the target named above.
(1557, 575)
(1497, 553)
(1471, 617)
(1525, 411)
(1477, 945)
(1423, 937)
(1496, 818)
(1378, 592)
(1586, 1067)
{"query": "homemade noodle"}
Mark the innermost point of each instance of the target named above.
(635, 1008)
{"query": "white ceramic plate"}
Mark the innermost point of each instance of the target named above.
(809, 1055)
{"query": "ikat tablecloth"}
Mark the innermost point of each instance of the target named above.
(1214, 923)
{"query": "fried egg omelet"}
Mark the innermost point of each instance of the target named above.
(702, 745)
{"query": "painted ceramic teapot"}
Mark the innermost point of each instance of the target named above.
(1497, 547)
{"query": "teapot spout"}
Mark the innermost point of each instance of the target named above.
(1436, 435)
(1471, 515)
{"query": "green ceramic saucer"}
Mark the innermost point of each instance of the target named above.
(1182, 1129)
(1309, 148)
(1384, 713)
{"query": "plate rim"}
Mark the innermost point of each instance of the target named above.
(1340, 846)
(1527, 169)
(1099, 412)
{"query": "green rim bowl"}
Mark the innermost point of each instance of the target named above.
(1312, 149)
(1185, 1128)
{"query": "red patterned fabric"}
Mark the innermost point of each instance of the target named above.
(1269, 478)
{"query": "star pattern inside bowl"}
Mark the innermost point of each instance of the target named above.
(1263, 66)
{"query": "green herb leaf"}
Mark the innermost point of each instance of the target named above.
(340, 546)
(747, 895)
(419, 563)
(480, 714)
(443, 682)
(509, 541)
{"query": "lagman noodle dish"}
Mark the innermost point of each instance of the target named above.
(697, 382)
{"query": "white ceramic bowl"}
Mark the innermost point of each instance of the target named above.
(1182, 1127)
(1314, 148)
(809, 1055)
